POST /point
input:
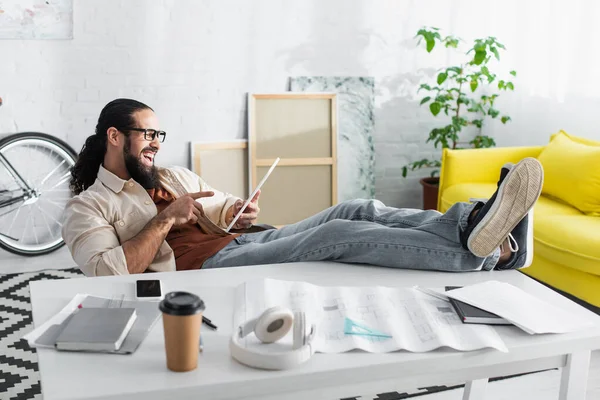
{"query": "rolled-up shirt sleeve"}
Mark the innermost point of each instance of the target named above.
(92, 240)
(218, 212)
(218, 205)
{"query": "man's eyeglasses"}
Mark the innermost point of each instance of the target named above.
(151, 134)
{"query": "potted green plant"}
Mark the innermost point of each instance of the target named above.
(462, 96)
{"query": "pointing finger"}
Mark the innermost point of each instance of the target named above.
(198, 195)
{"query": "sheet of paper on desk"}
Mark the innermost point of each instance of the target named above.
(374, 319)
(45, 335)
(519, 307)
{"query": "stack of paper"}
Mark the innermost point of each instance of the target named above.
(520, 308)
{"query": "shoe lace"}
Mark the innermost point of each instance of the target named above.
(512, 244)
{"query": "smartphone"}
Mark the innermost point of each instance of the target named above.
(148, 289)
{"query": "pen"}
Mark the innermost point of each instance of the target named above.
(209, 323)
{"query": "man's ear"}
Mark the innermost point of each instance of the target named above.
(113, 136)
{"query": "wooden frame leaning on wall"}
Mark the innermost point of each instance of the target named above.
(223, 165)
(301, 129)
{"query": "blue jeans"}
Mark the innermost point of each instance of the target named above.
(364, 232)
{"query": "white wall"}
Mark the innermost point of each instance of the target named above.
(194, 61)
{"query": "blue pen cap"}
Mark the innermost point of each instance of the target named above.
(181, 303)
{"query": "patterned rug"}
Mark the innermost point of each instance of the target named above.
(19, 376)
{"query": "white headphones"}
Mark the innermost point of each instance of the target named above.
(271, 326)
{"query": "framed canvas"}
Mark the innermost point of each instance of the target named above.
(223, 165)
(300, 129)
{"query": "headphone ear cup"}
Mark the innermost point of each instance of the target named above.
(299, 329)
(273, 324)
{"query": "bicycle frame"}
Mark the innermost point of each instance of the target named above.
(16, 176)
(20, 181)
(12, 200)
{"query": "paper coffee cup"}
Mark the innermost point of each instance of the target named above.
(182, 319)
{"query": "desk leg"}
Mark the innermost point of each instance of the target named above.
(573, 381)
(475, 390)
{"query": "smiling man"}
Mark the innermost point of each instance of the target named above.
(129, 216)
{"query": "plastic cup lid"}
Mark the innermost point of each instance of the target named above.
(181, 303)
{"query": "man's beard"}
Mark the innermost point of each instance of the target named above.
(147, 177)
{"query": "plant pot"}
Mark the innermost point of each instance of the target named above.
(431, 187)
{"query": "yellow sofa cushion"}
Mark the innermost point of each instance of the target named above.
(569, 240)
(577, 139)
(572, 172)
(549, 206)
(578, 283)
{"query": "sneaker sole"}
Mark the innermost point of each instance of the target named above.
(516, 196)
(529, 258)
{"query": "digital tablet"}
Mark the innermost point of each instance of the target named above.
(263, 180)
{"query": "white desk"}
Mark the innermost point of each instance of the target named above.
(144, 375)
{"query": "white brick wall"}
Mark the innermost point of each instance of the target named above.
(194, 61)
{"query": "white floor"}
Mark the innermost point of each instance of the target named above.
(11, 263)
(543, 386)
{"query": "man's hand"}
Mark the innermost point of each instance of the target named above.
(141, 249)
(185, 209)
(250, 215)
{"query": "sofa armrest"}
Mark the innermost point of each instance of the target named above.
(479, 165)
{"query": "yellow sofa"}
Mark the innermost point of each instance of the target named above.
(566, 240)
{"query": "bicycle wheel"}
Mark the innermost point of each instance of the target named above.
(34, 193)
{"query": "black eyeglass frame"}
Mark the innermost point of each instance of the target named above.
(150, 134)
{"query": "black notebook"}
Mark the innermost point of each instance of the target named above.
(473, 315)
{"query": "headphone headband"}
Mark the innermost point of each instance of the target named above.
(271, 326)
(272, 360)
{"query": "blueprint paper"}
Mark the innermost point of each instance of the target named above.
(374, 319)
